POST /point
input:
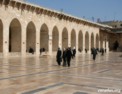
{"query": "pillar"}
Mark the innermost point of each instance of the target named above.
(107, 46)
(99, 44)
(23, 42)
(50, 44)
(37, 41)
(77, 43)
(60, 40)
(69, 40)
(5, 38)
(94, 41)
(89, 44)
(103, 44)
(83, 51)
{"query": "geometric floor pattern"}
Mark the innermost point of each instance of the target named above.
(42, 75)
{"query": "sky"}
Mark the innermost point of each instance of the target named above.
(105, 10)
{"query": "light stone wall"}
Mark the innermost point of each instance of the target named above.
(25, 17)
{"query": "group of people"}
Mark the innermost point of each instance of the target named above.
(95, 51)
(65, 55)
(31, 50)
(42, 50)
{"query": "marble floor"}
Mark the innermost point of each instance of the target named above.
(41, 75)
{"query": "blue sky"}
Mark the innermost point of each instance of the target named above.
(90, 9)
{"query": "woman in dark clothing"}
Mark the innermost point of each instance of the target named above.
(74, 52)
(68, 55)
(58, 57)
(64, 57)
(94, 52)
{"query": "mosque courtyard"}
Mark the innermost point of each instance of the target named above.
(42, 75)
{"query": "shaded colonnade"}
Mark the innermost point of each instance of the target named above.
(97, 41)
(87, 41)
(15, 36)
(73, 39)
(80, 41)
(55, 39)
(64, 38)
(44, 37)
(31, 37)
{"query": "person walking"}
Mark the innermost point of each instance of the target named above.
(94, 52)
(64, 57)
(86, 50)
(74, 52)
(58, 56)
(68, 56)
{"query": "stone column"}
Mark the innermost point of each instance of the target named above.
(103, 44)
(99, 43)
(37, 41)
(50, 43)
(89, 44)
(83, 51)
(77, 44)
(60, 40)
(5, 39)
(107, 46)
(69, 39)
(23, 42)
(94, 41)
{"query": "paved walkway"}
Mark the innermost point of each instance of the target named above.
(41, 75)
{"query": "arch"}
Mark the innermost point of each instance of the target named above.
(97, 41)
(64, 38)
(55, 39)
(87, 41)
(1, 36)
(44, 37)
(15, 36)
(31, 36)
(73, 38)
(92, 40)
(80, 41)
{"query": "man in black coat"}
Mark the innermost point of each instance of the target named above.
(58, 56)
(94, 52)
(68, 55)
(64, 57)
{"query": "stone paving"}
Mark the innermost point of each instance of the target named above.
(42, 75)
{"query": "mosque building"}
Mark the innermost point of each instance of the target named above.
(24, 26)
